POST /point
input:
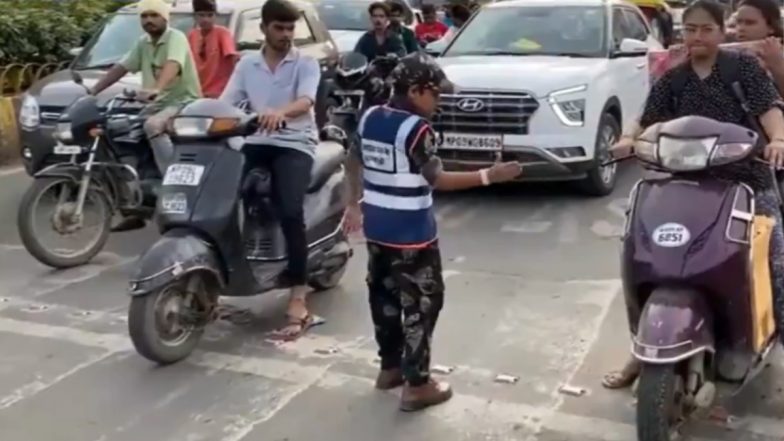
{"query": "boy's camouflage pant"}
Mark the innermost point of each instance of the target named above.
(406, 296)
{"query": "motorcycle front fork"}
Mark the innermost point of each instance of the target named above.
(84, 184)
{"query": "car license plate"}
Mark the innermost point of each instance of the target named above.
(461, 141)
(176, 203)
(183, 174)
(61, 149)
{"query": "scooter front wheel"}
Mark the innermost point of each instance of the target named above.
(660, 402)
(157, 324)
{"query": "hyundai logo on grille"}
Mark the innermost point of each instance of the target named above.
(470, 105)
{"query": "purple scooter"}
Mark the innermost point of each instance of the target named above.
(695, 271)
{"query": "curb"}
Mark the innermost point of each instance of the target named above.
(9, 133)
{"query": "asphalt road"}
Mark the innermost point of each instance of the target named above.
(532, 293)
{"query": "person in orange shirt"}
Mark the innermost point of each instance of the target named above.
(213, 49)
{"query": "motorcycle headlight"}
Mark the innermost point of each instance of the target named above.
(29, 113)
(63, 132)
(196, 126)
(685, 154)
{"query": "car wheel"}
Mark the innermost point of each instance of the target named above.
(601, 179)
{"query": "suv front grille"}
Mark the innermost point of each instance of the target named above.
(495, 112)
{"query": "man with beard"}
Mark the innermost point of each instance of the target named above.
(280, 84)
(169, 81)
(396, 17)
(213, 47)
(380, 41)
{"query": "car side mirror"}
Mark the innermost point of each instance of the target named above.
(630, 47)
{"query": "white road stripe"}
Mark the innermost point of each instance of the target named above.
(568, 230)
(304, 377)
(10, 171)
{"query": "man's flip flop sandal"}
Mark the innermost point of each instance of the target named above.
(304, 324)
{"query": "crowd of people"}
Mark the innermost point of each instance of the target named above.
(389, 36)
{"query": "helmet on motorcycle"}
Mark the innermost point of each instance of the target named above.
(419, 69)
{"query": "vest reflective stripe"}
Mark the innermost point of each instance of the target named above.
(397, 202)
(408, 180)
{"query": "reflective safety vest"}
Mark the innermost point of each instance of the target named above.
(398, 202)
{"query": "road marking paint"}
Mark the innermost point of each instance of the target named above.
(35, 387)
(569, 227)
(10, 171)
(534, 222)
(536, 227)
(606, 230)
(459, 219)
(464, 410)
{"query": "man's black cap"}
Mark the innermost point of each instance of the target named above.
(419, 69)
(204, 6)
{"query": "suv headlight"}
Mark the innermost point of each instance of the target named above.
(29, 113)
(569, 110)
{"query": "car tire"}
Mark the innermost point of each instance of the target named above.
(601, 180)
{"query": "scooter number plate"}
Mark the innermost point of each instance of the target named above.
(183, 174)
(174, 203)
(67, 149)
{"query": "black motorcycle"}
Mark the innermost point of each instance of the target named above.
(359, 85)
(110, 170)
(220, 232)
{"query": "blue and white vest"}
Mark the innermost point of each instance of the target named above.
(398, 201)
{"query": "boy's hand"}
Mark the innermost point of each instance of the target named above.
(352, 219)
(504, 172)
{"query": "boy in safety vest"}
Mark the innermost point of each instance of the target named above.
(394, 170)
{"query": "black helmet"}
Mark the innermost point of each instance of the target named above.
(419, 69)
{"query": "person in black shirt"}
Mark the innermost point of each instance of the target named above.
(396, 18)
(705, 94)
(381, 40)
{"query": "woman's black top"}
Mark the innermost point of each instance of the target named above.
(711, 98)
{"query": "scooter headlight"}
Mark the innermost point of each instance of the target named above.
(685, 154)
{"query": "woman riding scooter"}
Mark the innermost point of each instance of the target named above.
(704, 93)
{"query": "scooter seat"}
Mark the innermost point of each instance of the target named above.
(329, 156)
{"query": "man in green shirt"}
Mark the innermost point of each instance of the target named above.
(169, 81)
(396, 17)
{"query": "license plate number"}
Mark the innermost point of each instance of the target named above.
(67, 149)
(174, 203)
(459, 141)
(183, 174)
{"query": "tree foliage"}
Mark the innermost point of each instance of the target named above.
(43, 31)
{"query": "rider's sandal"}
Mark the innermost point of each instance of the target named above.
(619, 379)
(302, 323)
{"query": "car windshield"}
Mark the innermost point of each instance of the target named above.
(118, 34)
(342, 15)
(577, 31)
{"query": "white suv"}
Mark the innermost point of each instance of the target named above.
(547, 83)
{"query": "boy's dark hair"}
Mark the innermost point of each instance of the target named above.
(379, 5)
(714, 9)
(462, 13)
(428, 9)
(279, 10)
(395, 7)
